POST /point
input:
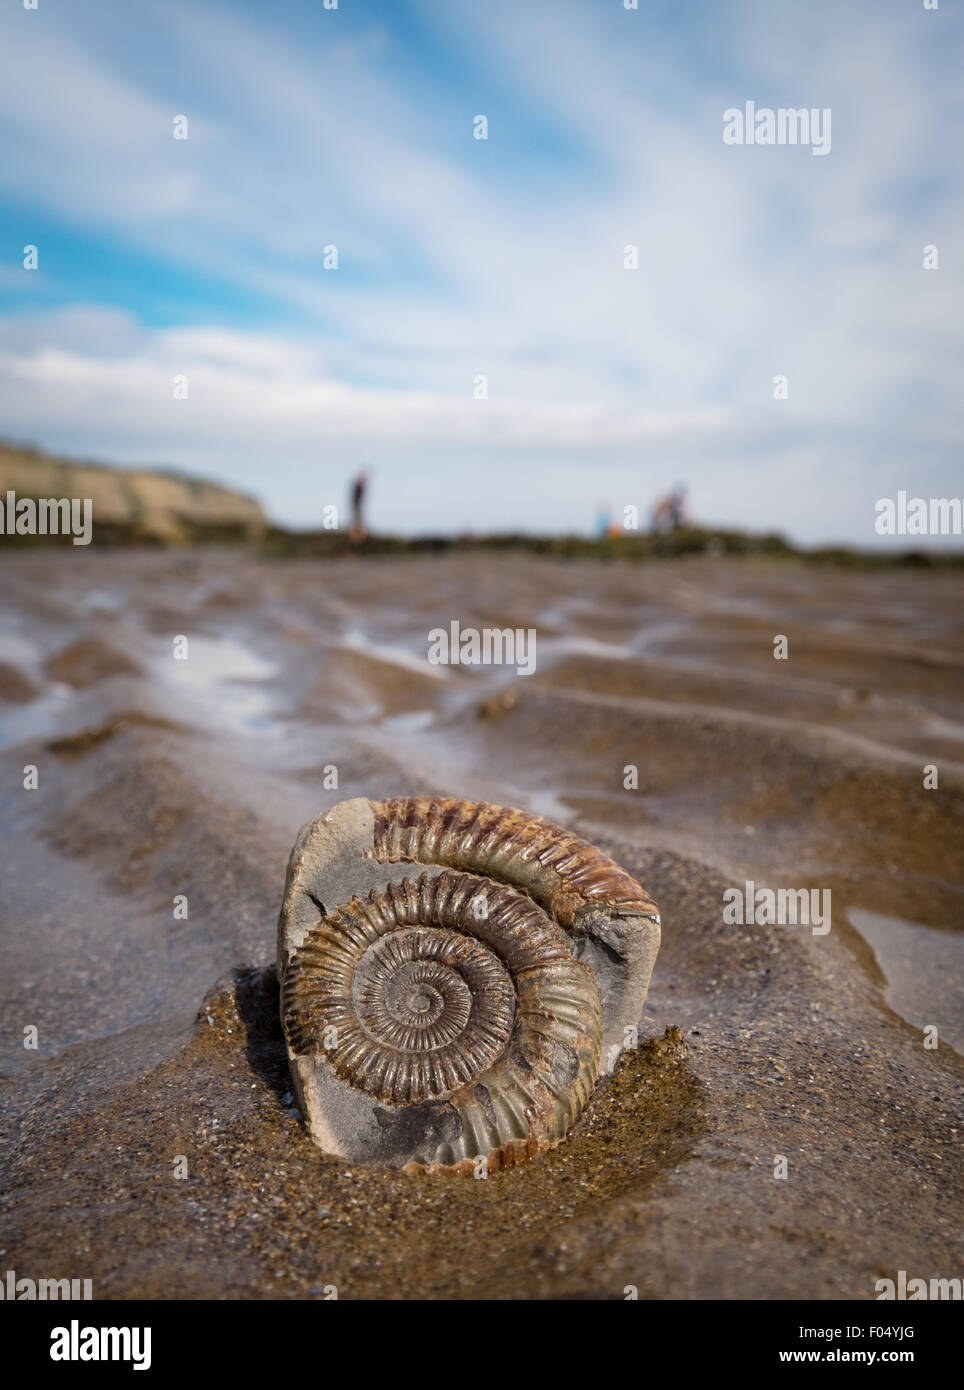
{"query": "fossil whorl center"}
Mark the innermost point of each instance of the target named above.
(455, 977)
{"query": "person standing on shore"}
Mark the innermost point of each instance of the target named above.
(359, 486)
(669, 514)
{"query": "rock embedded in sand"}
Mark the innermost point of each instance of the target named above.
(89, 660)
(15, 686)
(455, 978)
(497, 705)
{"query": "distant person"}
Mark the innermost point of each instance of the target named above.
(670, 511)
(356, 532)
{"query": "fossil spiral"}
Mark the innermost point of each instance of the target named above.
(455, 977)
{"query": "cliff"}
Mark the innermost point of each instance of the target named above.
(148, 505)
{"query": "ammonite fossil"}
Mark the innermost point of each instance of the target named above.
(455, 978)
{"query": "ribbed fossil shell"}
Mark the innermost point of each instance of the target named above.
(454, 978)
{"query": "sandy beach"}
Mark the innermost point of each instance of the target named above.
(159, 1049)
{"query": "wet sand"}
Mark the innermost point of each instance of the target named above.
(158, 1037)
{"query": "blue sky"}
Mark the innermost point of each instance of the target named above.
(502, 258)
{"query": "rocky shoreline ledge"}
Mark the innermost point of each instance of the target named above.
(161, 507)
